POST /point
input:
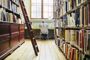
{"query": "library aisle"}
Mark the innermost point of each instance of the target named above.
(48, 51)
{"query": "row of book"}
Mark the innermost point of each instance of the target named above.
(78, 18)
(72, 53)
(79, 38)
(10, 17)
(7, 17)
(9, 5)
(74, 43)
(70, 4)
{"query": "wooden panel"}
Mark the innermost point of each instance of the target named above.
(14, 39)
(4, 28)
(4, 43)
(37, 33)
(11, 35)
(21, 26)
(21, 36)
(21, 32)
(14, 27)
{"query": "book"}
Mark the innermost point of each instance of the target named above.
(65, 21)
(15, 19)
(4, 16)
(88, 14)
(67, 50)
(10, 17)
(9, 4)
(79, 1)
(77, 37)
(64, 48)
(13, 7)
(71, 4)
(73, 19)
(77, 55)
(81, 39)
(1, 11)
(81, 17)
(72, 37)
(72, 54)
(74, 3)
(66, 7)
(68, 20)
(88, 42)
(85, 40)
(67, 35)
(85, 16)
(77, 18)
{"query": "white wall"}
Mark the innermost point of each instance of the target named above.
(36, 23)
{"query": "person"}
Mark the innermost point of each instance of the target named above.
(44, 30)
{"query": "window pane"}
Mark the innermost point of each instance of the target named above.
(39, 1)
(33, 1)
(45, 9)
(38, 15)
(45, 15)
(48, 8)
(33, 15)
(45, 1)
(36, 9)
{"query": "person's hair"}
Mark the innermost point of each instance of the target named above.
(57, 36)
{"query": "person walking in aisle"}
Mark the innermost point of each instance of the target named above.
(44, 30)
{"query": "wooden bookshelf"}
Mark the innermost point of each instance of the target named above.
(73, 25)
(11, 31)
(74, 9)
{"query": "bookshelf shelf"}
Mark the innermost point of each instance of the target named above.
(73, 28)
(75, 46)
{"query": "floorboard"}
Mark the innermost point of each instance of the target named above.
(48, 51)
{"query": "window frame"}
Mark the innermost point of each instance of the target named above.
(42, 11)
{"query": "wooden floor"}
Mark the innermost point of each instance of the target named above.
(48, 51)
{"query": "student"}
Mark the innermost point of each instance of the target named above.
(44, 30)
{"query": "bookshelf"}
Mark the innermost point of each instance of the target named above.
(77, 7)
(73, 28)
(11, 27)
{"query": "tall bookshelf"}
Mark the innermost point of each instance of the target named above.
(73, 28)
(11, 27)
